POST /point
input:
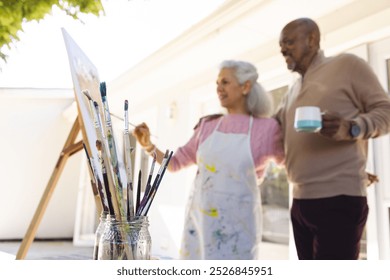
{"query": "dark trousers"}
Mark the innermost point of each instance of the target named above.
(329, 228)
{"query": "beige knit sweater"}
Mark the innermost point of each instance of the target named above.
(321, 167)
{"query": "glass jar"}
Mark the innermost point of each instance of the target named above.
(125, 240)
(98, 233)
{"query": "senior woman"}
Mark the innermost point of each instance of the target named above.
(231, 150)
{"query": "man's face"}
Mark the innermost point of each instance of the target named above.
(295, 47)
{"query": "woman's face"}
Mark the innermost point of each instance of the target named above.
(230, 93)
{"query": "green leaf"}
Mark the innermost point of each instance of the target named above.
(15, 12)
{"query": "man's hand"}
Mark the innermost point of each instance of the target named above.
(334, 126)
(372, 179)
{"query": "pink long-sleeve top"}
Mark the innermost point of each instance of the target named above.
(265, 140)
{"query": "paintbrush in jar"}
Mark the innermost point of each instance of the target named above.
(148, 183)
(146, 198)
(128, 165)
(147, 203)
(138, 198)
(106, 183)
(96, 180)
(102, 146)
(112, 149)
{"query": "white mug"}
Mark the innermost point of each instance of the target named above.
(308, 119)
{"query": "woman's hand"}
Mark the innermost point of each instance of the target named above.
(142, 134)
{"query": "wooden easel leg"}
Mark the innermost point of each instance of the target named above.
(69, 149)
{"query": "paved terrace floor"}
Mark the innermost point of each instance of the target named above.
(65, 250)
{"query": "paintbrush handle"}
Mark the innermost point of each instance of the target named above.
(113, 156)
(126, 120)
(129, 174)
(105, 162)
(116, 190)
(107, 190)
(102, 193)
(130, 202)
(165, 167)
(138, 191)
(114, 182)
(148, 183)
(148, 198)
(95, 180)
(147, 189)
(144, 211)
(114, 160)
(108, 184)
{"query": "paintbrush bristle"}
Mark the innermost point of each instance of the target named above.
(95, 104)
(98, 145)
(103, 89)
(86, 93)
(126, 105)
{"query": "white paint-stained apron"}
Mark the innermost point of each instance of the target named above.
(223, 219)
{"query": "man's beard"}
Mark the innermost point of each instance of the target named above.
(291, 66)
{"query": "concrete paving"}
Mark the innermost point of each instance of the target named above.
(65, 250)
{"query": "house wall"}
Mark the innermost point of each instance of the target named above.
(34, 130)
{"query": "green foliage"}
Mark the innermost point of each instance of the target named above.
(13, 13)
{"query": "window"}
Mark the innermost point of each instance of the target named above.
(275, 195)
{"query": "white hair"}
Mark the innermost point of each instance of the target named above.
(259, 101)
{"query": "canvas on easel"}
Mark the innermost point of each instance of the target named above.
(84, 76)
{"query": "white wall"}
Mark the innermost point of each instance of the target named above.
(34, 131)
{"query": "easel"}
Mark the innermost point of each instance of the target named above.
(84, 76)
(69, 149)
